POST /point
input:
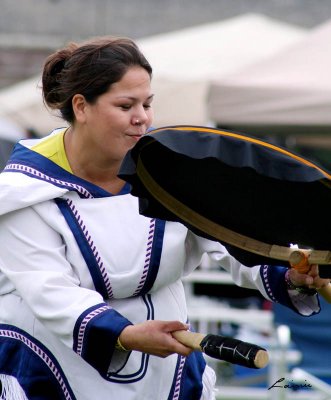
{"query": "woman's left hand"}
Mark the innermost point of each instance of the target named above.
(311, 279)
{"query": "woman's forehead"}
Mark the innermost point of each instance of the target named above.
(136, 79)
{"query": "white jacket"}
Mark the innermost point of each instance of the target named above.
(77, 266)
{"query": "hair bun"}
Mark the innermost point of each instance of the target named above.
(51, 78)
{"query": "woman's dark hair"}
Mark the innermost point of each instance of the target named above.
(88, 69)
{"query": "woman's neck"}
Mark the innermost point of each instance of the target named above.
(90, 168)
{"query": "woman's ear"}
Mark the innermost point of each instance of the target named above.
(79, 107)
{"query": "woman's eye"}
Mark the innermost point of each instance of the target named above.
(126, 106)
(147, 105)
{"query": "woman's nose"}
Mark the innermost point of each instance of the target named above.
(140, 117)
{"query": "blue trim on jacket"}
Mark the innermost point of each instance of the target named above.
(156, 252)
(95, 335)
(141, 372)
(188, 377)
(33, 365)
(39, 167)
(273, 278)
(85, 248)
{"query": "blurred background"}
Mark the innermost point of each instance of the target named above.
(261, 67)
(256, 66)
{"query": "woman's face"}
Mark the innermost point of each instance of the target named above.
(119, 117)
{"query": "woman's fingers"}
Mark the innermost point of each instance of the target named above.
(299, 279)
(311, 279)
(154, 337)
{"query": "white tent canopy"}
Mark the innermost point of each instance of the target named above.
(184, 63)
(291, 88)
(9, 134)
(22, 104)
(9, 130)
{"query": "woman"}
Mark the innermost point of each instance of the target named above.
(91, 290)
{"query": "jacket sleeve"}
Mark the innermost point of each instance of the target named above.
(268, 280)
(33, 258)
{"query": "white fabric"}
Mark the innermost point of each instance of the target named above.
(11, 389)
(209, 381)
(306, 304)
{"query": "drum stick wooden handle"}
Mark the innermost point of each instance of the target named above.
(225, 348)
(300, 261)
(189, 339)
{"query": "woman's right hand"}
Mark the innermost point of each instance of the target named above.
(154, 337)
